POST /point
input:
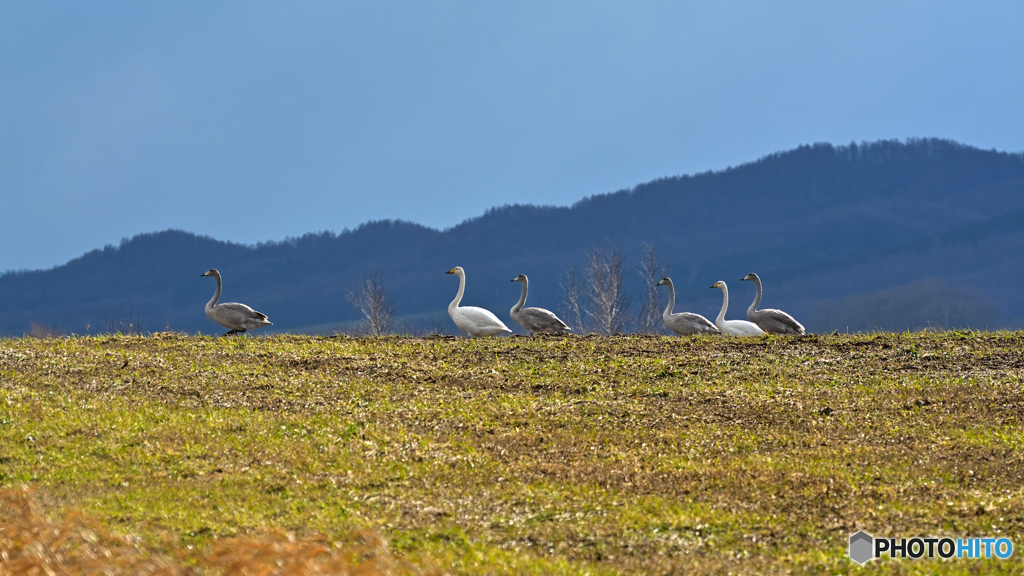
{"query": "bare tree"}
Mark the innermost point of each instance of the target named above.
(652, 271)
(44, 330)
(606, 273)
(572, 299)
(372, 300)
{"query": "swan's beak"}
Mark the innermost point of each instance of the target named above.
(452, 271)
(715, 285)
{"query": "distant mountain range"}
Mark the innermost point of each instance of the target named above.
(879, 236)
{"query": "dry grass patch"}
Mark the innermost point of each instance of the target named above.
(30, 543)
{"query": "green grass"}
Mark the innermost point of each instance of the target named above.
(516, 455)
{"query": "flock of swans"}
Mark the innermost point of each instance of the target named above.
(477, 321)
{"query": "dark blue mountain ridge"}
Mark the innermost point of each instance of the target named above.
(829, 228)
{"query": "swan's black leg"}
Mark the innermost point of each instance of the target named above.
(230, 333)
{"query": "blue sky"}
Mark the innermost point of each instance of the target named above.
(252, 121)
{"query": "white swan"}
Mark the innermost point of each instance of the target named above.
(684, 323)
(470, 319)
(733, 327)
(770, 320)
(535, 319)
(237, 317)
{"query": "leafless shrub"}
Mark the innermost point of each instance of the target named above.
(44, 330)
(572, 299)
(353, 329)
(124, 323)
(651, 271)
(372, 300)
(608, 303)
(438, 324)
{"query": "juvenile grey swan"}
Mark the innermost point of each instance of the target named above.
(535, 319)
(733, 327)
(237, 317)
(684, 323)
(470, 319)
(770, 320)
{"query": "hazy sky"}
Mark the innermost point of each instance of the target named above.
(252, 121)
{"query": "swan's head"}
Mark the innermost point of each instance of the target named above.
(210, 272)
(719, 284)
(666, 280)
(520, 278)
(458, 271)
(752, 277)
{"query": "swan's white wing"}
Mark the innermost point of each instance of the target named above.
(740, 328)
(477, 321)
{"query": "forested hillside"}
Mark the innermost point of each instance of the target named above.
(880, 236)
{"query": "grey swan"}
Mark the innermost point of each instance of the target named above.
(771, 320)
(237, 317)
(684, 323)
(535, 320)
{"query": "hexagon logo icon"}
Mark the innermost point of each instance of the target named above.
(861, 547)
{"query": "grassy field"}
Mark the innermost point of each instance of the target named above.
(568, 455)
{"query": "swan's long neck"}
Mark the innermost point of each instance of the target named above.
(522, 297)
(725, 303)
(757, 297)
(671, 301)
(458, 297)
(216, 294)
